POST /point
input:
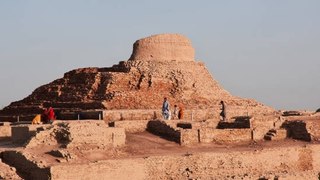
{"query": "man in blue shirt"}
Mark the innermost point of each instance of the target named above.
(166, 109)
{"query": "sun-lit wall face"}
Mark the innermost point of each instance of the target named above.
(163, 47)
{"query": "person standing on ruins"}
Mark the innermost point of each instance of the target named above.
(165, 109)
(180, 114)
(223, 113)
(51, 115)
(175, 112)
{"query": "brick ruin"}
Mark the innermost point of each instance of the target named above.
(160, 66)
(255, 143)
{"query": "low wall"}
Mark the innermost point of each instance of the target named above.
(91, 133)
(262, 124)
(96, 115)
(307, 130)
(152, 114)
(313, 127)
(280, 162)
(226, 135)
(192, 133)
(5, 130)
(131, 126)
(112, 169)
(79, 134)
(164, 130)
(208, 135)
(22, 133)
(189, 136)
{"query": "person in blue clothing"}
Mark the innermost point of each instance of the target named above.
(166, 109)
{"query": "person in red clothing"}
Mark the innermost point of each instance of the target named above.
(51, 115)
(44, 116)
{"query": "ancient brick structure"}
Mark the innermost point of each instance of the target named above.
(160, 66)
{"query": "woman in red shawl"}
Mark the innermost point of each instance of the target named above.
(51, 116)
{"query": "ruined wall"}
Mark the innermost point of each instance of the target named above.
(131, 126)
(93, 133)
(28, 169)
(290, 163)
(77, 134)
(225, 135)
(164, 130)
(22, 133)
(160, 66)
(5, 130)
(112, 169)
(306, 130)
(163, 47)
(189, 136)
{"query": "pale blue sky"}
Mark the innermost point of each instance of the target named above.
(267, 50)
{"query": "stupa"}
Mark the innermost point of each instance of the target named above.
(160, 66)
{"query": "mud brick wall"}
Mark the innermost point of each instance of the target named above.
(231, 135)
(22, 133)
(297, 130)
(120, 115)
(28, 169)
(307, 130)
(94, 133)
(189, 136)
(313, 127)
(206, 135)
(281, 134)
(131, 126)
(164, 130)
(97, 115)
(5, 130)
(113, 169)
(283, 162)
(262, 124)
(145, 114)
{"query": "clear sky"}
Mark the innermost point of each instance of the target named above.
(267, 50)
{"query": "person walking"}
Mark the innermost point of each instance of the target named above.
(223, 113)
(175, 112)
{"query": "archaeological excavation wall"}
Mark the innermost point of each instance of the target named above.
(281, 162)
